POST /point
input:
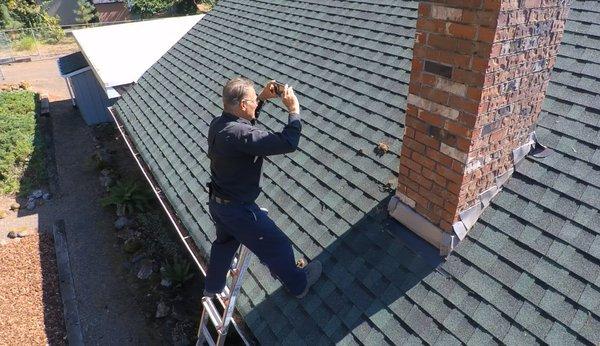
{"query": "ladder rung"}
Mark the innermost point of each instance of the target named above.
(213, 314)
(209, 340)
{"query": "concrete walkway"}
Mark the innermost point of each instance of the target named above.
(108, 311)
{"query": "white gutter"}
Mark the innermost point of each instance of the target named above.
(167, 209)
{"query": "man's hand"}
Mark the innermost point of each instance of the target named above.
(290, 100)
(268, 91)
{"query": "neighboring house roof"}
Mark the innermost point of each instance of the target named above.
(112, 12)
(120, 54)
(71, 63)
(529, 270)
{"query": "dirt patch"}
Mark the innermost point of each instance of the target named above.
(30, 303)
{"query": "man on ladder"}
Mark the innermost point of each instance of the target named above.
(236, 149)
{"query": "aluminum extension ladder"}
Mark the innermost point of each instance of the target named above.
(229, 295)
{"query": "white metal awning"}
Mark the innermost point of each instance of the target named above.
(119, 54)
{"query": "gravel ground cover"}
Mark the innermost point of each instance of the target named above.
(30, 303)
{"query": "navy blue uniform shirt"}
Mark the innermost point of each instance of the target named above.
(236, 149)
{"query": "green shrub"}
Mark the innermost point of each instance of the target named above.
(26, 43)
(178, 271)
(128, 197)
(22, 161)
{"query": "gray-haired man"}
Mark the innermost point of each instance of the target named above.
(236, 149)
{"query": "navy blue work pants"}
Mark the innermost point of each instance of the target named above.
(245, 223)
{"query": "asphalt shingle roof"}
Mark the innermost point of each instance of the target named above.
(71, 63)
(529, 270)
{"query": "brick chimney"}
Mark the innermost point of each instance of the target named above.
(479, 74)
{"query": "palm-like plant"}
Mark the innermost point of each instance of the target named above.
(178, 271)
(127, 197)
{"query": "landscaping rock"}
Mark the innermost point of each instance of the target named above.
(166, 283)
(36, 194)
(132, 245)
(12, 234)
(162, 310)
(105, 181)
(140, 255)
(15, 206)
(145, 270)
(122, 222)
(31, 205)
(23, 234)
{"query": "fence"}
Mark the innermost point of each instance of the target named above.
(34, 44)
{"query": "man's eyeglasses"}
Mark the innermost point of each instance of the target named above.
(250, 100)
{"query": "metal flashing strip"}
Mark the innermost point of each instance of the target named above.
(76, 72)
(421, 226)
(470, 215)
(179, 228)
(522, 151)
(539, 150)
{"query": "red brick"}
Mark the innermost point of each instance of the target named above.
(423, 182)
(427, 140)
(486, 34)
(441, 42)
(428, 79)
(416, 124)
(448, 173)
(445, 226)
(457, 129)
(464, 104)
(464, 3)
(436, 178)
(463, 144)
(431, 118)
(424, 9)
(438, 157)
(454, 59)
(464, 31)
(423, 161)
(412, 165)
(430, 25)
(435, 95)
(468, 77)
(414, 145)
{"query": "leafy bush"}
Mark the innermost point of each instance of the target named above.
(178, 271)
(22, 161)
(149, 8)
(25, 43)
(127, 197)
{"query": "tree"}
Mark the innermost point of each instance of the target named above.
(6, 20)
(29, 14)
(86, 13)
(150, 8)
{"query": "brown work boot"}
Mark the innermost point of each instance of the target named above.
(313, 272)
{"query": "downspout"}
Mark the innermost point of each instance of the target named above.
(70, 88)
(179, 228)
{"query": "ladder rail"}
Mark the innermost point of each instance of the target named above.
(221, 323)
(242, 266)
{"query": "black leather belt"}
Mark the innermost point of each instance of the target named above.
(219, 199)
